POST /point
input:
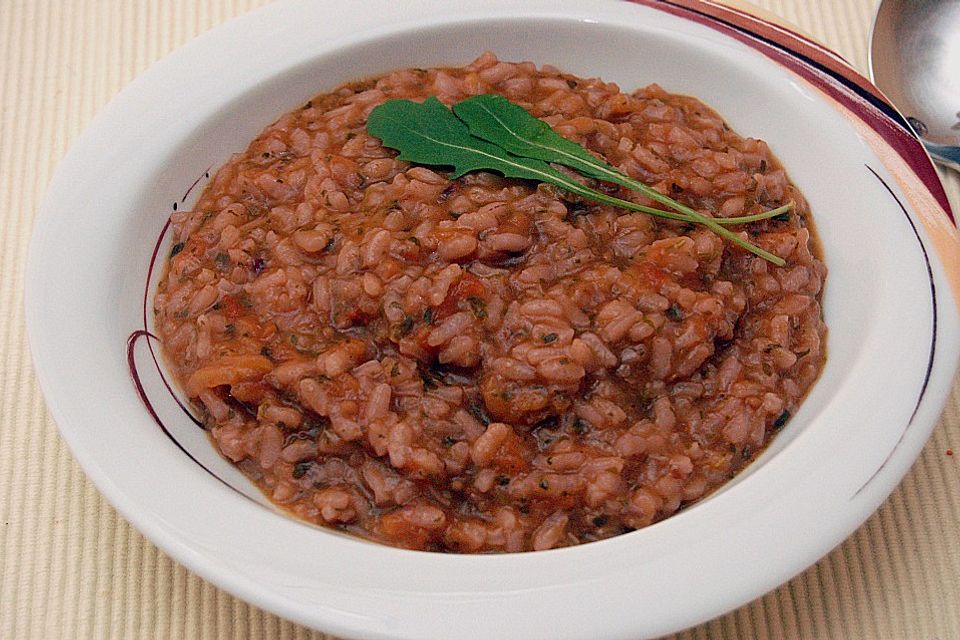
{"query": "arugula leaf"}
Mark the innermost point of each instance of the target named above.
(509, 126)
(430, 133)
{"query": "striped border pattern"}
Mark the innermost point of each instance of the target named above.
(933, 330)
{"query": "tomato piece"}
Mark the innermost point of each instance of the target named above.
(231, 306)
(402, 532)
(469, 287)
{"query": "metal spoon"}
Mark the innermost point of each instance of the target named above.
(915, 61)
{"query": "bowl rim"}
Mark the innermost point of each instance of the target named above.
(166, 534)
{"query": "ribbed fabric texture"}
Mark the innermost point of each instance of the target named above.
(71, 568)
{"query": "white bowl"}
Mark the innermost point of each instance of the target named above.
(890, 303)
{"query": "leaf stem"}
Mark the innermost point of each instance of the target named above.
(695, 217)
(766, 215)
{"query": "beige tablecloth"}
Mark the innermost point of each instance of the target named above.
(71, 568)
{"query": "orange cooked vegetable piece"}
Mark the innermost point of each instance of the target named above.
(228, 370)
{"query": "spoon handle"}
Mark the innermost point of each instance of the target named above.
(946, 155)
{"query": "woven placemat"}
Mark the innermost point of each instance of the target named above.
(71, 568)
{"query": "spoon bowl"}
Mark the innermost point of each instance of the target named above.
(915, 61)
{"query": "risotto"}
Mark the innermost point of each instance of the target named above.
(488, 364)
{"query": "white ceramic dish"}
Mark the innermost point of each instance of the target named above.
(890, 303)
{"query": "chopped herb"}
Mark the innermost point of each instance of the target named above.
(599, 521)
(782, 217)
(395, 371)
(763, 166)
(577, 209)
(414, 240)
(177, 248)
(449, 441)
(432, 376)
(746, 453)
(543, 485)
(330, 244)
(479, 307)
(428, 315)
(580, 426)
(550, 337)
(447, 192)
(309, 434)
(479, 413)
(266, 352)
(572, 84)
(503, 481)
(550, 422)
(301, 469)
(217, 306)
(230, 329)
(456, 214)
(406, 326)
(674, 313)
(781, 420)
(429, 383)
(222, 260)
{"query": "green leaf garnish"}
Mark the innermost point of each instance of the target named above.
(490, 133)
(429, 133)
